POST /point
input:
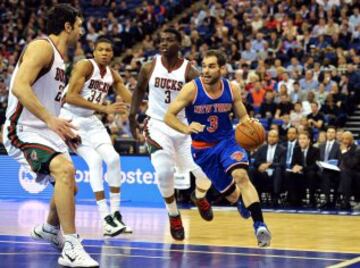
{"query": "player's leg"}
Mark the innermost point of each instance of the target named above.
(94, 162)
(162, 150)
(186, 163)
(235, 162)
(112, 160)
(73, 253)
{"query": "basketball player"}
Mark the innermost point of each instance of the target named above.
(89, 85)
(208, 102)
(165, 76)
(35, 136)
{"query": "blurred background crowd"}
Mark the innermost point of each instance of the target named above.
(296, 61)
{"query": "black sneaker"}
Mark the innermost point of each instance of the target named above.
(204, 207)
(176, 227)
(118, 220)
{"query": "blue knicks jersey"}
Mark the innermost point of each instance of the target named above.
(213, 113)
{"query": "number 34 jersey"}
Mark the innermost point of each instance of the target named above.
(164, 86)
(95, 89)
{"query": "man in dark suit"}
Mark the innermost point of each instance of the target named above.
(269, 166)
(303, 173)
(349, 170)
(290, 145)
(330, 153)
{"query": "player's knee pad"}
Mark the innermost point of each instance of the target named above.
(113, 169)
(164, 167)
(96, 175)
(202, 181)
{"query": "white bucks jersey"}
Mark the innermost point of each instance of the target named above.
(95, 89)
(164, 86)
(48, 88)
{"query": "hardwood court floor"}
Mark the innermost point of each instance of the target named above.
(299, 240)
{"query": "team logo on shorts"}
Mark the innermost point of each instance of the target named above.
(28, 182)
(33, 155)
(237, 156)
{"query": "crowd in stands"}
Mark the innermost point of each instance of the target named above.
(297, 62)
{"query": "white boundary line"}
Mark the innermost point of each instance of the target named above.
(345, 263)
(186, 251)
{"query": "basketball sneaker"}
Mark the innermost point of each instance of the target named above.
(111, 228)
(54, 238)
(262, 233)
(176, 227)
(118, 220)
(74, 255)
(203, 206)
(244, 212)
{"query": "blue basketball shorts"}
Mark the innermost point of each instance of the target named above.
(219, 160)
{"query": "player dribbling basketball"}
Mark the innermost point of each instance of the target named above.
(208, 102)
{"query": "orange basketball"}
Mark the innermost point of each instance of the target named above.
(250, 135)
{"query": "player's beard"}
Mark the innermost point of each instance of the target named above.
(213, 80)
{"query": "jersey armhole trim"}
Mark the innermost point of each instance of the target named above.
(187, 69)
(231, 90)
(196, 92)
(87, 78)
(153, 64)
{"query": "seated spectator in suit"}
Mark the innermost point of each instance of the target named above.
(329, 152)
(303, 172)
(290, 145)
(269, 166)
(321, 139)
(316, 118)
(349, 169)
(268, 106)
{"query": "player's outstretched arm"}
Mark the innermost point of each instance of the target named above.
(185, 98)
(138, 95)
(120, 87)
(38, 56)
(239, 108)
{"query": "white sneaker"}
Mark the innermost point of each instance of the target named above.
(56, 239)
(118, 220)
(74, 255)
(111, 228)
(262, 233)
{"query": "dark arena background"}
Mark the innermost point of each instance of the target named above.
(297, 63)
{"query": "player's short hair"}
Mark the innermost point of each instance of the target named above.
(103, 39)
(174, 32)
(220, 56)
(58, 16)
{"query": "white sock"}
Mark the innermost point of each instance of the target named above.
(51, 228)
(103, 208)
(172, 208)
(114, 202)
(199, 194)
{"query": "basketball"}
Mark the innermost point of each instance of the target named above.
(250, 134)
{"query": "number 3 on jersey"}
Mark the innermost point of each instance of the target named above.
(167, 96)
(214, 123)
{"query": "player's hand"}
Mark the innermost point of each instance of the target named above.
(195, 127)
(134, 126)
(62, 127)
(117, 107)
